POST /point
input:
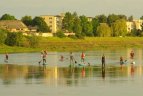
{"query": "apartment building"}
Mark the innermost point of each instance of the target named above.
(53, 21)
(89, 19)
(138, 24)
(130, 26)
(135, 24)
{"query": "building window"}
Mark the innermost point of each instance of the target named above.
(58, 21)
(50, 26)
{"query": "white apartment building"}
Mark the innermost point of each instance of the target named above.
(54, 22)
(134, 24)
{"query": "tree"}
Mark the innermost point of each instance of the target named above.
(112, 18)
(14, 39)
(41, 24)
(84, 21)
(103, 30)
(68, 22)
(33, 41)
(124, 17)
(3, 36)
(95, 24)
(87, 28)
(130, 18)
(141, 17)
(102, 18)
(60, 34)
(7, 17)
(76, 26)
(27, 20)
(119, 28)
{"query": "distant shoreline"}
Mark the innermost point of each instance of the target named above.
(87, 44)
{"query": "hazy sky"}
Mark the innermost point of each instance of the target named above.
(20, 8)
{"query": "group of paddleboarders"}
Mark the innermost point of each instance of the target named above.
(122, 61)
(73, 61)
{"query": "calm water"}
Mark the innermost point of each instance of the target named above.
(22, 75)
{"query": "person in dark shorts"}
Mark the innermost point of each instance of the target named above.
(103, 60)
(61, 58)
(6, 57)
(44, 57)
(121, 60)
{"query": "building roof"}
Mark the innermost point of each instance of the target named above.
(12, 24)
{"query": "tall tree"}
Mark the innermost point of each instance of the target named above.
(68, 22)
(102, 18)
(87, 28)
(130, 18)
(77, 27)
(95, 24)
(3, 36)
(119, 28)
(41, 24)
(84, 21)
(112, 18)
(122, 17)
(141, 17)
(27, 20)
(103, 30)
(7, 17)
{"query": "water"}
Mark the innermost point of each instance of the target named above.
(22, 75)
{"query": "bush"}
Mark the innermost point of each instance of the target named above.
(14, 39)
(33, 41)
(80, 36)
(60, 34)
(72, 36)
(3, 36)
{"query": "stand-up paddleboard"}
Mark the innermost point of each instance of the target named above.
(133, 62)
(123, 62)
(82, 64)
(126, 62)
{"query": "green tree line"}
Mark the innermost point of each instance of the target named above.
(99, 26)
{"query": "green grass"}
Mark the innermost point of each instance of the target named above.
(15, 49)
(90, 43)
(68, 44)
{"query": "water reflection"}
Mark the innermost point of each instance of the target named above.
(103, 72)
(65, 76)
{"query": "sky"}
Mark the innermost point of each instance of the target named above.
(91, 8)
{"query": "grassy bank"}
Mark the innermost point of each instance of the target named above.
(4, 49)
(68, 44)
(90, 43)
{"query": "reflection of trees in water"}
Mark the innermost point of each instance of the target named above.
(63, 75)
